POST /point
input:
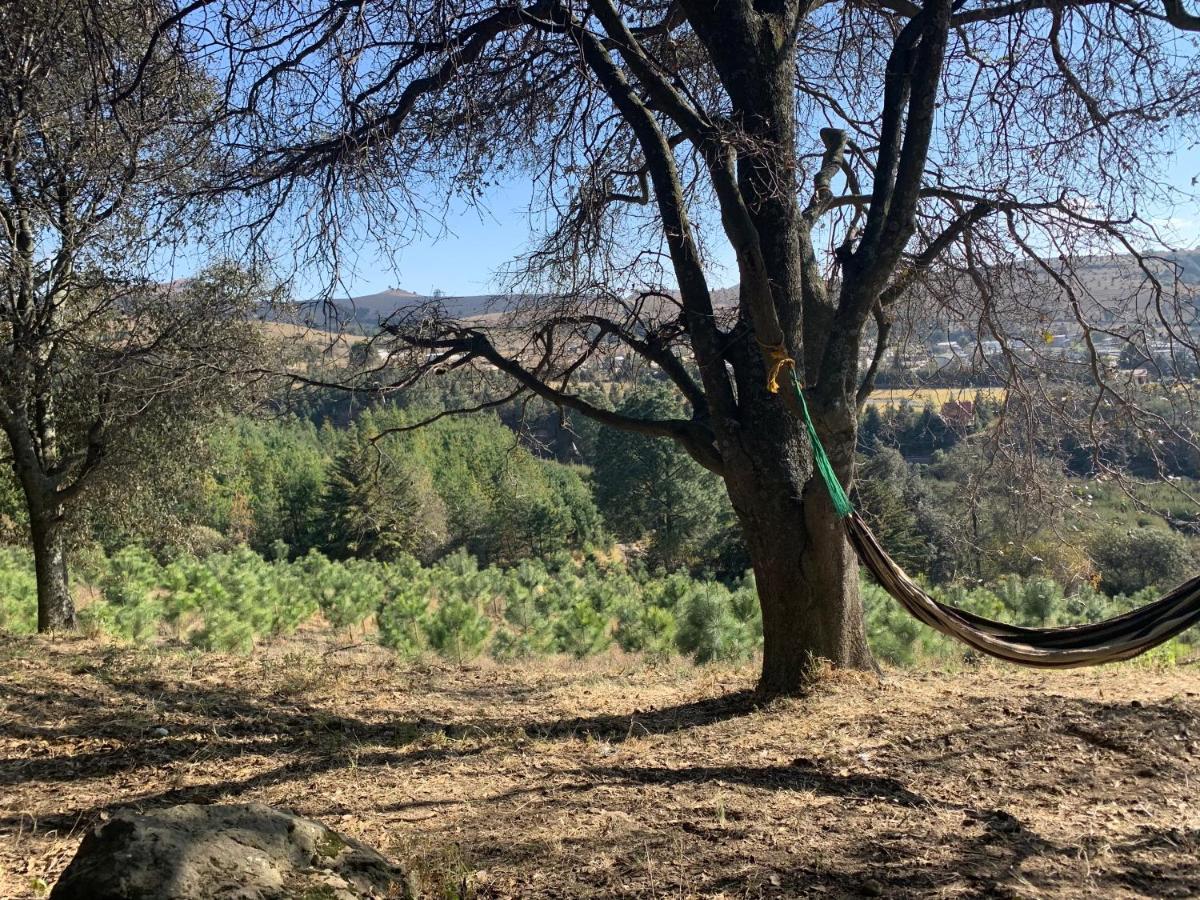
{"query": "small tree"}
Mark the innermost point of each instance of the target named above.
(101, 128)
(650, 487)
(886, 503)
(380, 506)
(1129, 560)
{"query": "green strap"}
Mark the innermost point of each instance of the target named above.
(841, 503)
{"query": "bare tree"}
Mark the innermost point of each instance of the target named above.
(848, 152)
(97, 140)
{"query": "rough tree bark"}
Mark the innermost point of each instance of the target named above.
(48, 539)
(805, 571)
(56, 608)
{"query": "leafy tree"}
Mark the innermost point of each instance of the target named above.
(581, 630)
(380, 506)
(103, 132)
(501, 502)
(457, 628)
(884, 500)
(651, 488)
(1130, 560)
(12, 509)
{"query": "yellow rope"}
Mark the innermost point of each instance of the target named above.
(778, 360)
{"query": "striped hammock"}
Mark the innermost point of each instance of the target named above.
(1118, 638)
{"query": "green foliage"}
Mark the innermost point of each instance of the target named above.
(649, 489)
(230, 601)
(131, 590)
(346, 592)
(378, 505)
(265, 483)
(502, 503)
(457, 629)
(581, 630)
(14, 518)
(646, 629)
(709, 627)
(526, 630)
(884, 496)
(912, 432)
(18, 592)
(894, 635)
(401, 615)
(284, 486)
(1138, 558)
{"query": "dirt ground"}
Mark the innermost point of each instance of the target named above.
(617, 779)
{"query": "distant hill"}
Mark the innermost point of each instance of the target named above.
(364, 313)
(1189, 262)
(371, 309)
(1115, 278)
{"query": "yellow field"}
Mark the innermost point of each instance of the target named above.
(937, 396)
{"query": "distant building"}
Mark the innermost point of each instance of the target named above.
(958, 414)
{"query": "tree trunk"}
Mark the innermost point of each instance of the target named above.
(805, 568)
(807, 577)
(56, 609)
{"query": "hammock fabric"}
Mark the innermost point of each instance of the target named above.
(1118, 638)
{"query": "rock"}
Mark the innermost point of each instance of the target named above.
(244, 851)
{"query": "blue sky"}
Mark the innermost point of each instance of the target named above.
(465, 258)
(477, 242)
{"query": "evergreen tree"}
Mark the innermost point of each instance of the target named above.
(650, 487)
(380, 506)
(884, 501)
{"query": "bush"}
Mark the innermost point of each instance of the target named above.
(346, 592)
(401, 615)
(527, 631)
(457, 629)
(131, 589)
(18, 592)
(1139, 558)
(581, 630)
(646, 629)
(895, 636)
(709, 630)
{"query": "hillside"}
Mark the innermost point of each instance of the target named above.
(364, 313)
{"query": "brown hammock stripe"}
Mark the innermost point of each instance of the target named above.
(1121, 637)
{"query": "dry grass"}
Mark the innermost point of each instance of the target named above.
(617, 779)
(939, 397)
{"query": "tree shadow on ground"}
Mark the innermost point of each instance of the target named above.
(242, 724)
(996, 856)
(222, 724)
(642, 723)
(800, 776)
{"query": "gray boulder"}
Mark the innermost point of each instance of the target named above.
(243, 851)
